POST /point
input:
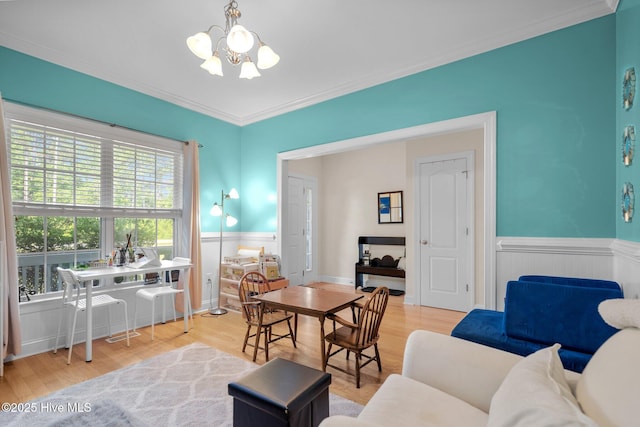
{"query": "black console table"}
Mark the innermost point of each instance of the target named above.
(376, 271)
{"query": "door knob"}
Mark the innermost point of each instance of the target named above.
(424, 242)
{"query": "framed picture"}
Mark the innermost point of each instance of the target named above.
(390, 207)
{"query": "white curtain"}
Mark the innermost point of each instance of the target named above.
(191, 224)
(9, 307)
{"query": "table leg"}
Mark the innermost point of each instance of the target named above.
(88, 286)
(322, 348)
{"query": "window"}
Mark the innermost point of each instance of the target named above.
(79, 188)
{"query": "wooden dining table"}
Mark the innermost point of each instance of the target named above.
(307, 301)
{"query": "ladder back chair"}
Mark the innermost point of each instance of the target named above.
(360, 335)
(253, 284)
(78, 304)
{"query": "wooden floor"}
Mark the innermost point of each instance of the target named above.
(38, 375)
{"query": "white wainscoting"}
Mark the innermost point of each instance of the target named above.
(210, 243)
(39, 319)
(608, 259)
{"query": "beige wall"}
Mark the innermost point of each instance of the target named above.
(348, 186)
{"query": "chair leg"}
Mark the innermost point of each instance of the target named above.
(375, 347)
(358, 355)
(267, 336)
(255, 348)
(190, 309)
(153, 316)
(69, 326)
(174, 310)
(164, 309)
(135, 313)
(126, 322)
(55, 347)
(73, 332)
(326, 358)
(293, 337)
(109, 320)
(246, 338)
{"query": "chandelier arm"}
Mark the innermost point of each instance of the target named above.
(257, 36)
(218, 42)
(215, 26)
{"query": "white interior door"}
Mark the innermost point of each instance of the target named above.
(445, 224)
(301, 243)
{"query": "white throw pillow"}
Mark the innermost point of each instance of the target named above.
(535, 393)
(621, 312)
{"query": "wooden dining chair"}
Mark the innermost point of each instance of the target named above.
(251, 285)
(358, 336)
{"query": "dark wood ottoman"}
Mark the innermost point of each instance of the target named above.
(281, 393)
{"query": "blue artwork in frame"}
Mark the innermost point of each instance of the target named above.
(390, 207)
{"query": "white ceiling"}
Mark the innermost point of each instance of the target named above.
(327, 47)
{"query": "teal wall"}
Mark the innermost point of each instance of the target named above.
(554, 97)
(628, 55)
(31, 81)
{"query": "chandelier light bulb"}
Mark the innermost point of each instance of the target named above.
(200, 45)
(248, 70)
(267, 58)
(239, 39)
(213, 64)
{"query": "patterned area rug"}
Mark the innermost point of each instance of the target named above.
(184, 387)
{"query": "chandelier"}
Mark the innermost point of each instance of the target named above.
(236, 42)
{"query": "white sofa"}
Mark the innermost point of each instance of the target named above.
(448, 381)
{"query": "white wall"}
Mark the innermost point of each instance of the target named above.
(350, 184)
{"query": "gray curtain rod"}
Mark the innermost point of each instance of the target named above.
(113, 125)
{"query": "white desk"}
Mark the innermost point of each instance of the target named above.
(108, 272)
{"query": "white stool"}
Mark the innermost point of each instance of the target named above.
(153, 293)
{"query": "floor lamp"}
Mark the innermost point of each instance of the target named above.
(218, 210)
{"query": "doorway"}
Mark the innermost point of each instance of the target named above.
(487, 227)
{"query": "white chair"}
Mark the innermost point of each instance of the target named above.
(78, 304)
(153, 293)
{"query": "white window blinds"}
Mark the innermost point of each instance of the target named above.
(58, 166)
